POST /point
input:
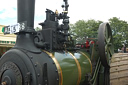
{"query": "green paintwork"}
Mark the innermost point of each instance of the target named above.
(85, 65)
(101, 75)
(69, 67)
(86, 60)
(3, 29)
(94, 52)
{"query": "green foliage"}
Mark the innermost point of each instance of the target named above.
(84, 29)
(120, 32)
(37, 29)
(88, 29)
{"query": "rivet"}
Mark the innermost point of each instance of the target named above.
(35, 65)
(31, 57)
(38, 75)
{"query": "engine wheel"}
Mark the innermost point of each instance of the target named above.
(105, 44)
(119, 69)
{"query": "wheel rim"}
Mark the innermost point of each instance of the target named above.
(105, 44)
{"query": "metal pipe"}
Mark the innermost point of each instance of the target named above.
(96, 70)
(26, 10)
(25, 38)
(97, 74)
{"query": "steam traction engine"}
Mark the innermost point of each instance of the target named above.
(49, 56)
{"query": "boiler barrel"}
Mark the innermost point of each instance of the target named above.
(72, 67)
(21, 67)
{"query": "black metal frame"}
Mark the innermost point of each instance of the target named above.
(54, 36)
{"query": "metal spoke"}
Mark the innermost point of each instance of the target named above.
(106, 47)
(108, 56)
(111, 50)
(108, 40)
(107, 52)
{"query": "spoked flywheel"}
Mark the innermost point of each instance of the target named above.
(105, 44)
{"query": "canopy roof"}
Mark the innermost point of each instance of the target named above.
(7, 40)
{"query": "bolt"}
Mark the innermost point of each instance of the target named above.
(31, 57)
(38, 75)
(35, 65)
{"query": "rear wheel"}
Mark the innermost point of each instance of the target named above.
(119, 69)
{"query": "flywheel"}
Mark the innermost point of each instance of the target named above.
(119, 69)
(105, 44)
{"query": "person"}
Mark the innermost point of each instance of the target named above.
(87, 44)
(124, 49)
(119, 50)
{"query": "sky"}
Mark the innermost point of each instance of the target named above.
(78, 10)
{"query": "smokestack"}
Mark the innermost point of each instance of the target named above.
(26, 10)
(25, 39)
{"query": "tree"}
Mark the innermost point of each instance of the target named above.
(37, 29)
(78, 30)
(119, 31)
(84, 29)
